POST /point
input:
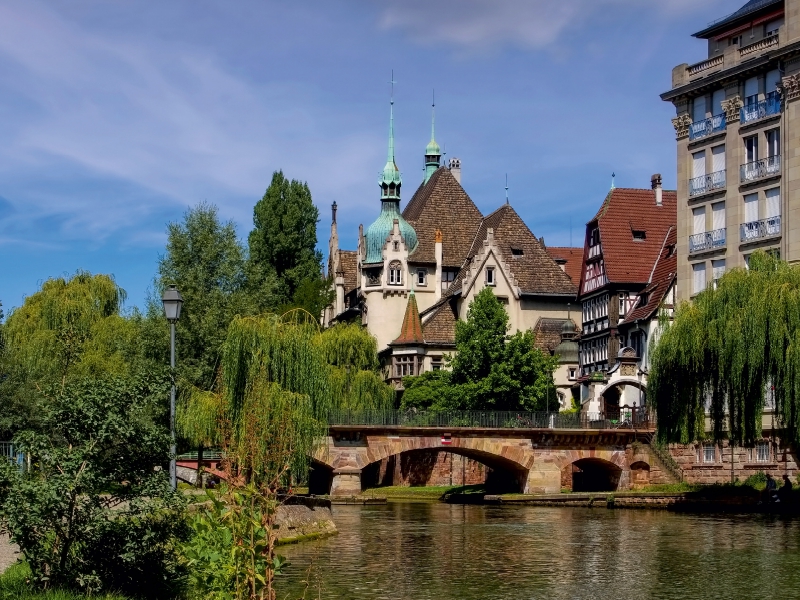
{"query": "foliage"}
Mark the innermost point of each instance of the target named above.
(757, 480)
(285, 267)
(70, 328)
(15, 585)
(731, 346)
(96, 512)
(491, 369)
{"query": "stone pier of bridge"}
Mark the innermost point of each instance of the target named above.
(533, 460)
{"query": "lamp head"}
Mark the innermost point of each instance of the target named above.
(172, 301)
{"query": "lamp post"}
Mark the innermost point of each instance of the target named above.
(172, 301)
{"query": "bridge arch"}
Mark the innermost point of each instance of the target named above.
(595, 470)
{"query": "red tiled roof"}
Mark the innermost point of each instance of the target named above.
(661, 280)
(572, 256)
(627, 260)
(442, 204)
(411, 331)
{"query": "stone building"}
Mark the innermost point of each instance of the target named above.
(416, 271)
(628, 276)
(738, 173)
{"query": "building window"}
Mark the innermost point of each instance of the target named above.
(395, 273)
(718, 270)
(773, 142)
(772, 27)
(396, 246)
(698, 277)
(760, 453)
(490, 279)
(639, 235)
(436, 363)
(572, 374)
(422, 277)
(708, 453)
(447, 279)
(751, 148)
(405, 366)
(735, 40)
(517, 252)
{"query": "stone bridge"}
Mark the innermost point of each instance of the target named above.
(522, 459)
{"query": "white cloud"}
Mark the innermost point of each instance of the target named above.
(527, 23)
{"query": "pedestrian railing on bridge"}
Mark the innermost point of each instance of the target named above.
(636, 418)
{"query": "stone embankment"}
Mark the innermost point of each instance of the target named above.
(301, 519)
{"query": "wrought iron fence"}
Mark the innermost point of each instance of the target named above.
(766, 167)
(707, 183)
(701, 129)
(627, 418)
(707, 241)
(756, 230)
(10, 453)
(754, 111)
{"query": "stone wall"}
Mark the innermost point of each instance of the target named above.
(298, 522)
(430, 468)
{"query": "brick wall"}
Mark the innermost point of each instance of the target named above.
(430, 468)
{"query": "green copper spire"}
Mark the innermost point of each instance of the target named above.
(390, 180)
(432, 152)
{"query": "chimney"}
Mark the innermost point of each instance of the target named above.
(655, 183)
(455, 168)
(333, 212)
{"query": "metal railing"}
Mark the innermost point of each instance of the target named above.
(759, 169)
(760, 110)
(708, 240)
(627, 418)
(707, 183)
(700, 129)
(10, 453)
(765, 228)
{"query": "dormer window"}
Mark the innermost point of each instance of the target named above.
(639, 235)
(516, 252)
(395, 273)
(490, 278)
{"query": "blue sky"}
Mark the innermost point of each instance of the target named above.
(117, 116)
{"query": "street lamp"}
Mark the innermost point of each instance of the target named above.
(172, 301)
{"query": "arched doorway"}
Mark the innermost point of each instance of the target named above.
(595, 475)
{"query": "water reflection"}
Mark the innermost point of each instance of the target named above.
(426, 551)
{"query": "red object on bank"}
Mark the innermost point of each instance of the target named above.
(446, 439)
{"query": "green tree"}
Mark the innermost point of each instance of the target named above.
(285, 268)
(491, 369)
(96, 511)
(726, 351)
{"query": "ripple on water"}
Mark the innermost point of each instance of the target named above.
(439, 552)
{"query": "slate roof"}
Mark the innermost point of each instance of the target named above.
(411, 330)
(662, 278)
(548, 333)
(573, 258)
(442, 203)
(440, 329)
(348, 264)
(748, 9)
(625, 209)
(535, 270)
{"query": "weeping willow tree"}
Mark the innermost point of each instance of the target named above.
(726, 351)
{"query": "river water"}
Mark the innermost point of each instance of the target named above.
(432, 551)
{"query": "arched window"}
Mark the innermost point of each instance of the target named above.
(395, 273)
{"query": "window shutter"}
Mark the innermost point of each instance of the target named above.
(773, 80)
(718, 215)
(699, 163)
(718, 268)
(716, 102)
(773, 203)
(751, 87)
(718, 158)
(699, 280)
(751, 208)
(699, 219)
(699, 109)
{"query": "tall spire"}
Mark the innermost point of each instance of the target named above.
(432, 151)
(390, 180)
(506, 188)
(613, 186)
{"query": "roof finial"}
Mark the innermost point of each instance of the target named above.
(433, 116)
(506, 188)
(390, 158)
(612, 180)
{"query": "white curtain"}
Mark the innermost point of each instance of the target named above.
(718, 158)
(699, 277)
(699, 164)
(699, 109)
(718, 216)
(699, 219)
(773, 203)
(751, 208)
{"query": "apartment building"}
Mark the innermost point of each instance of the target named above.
(737, 114)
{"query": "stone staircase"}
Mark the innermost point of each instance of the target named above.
(663, 459)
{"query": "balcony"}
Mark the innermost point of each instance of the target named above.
(760, 110)
(760, 169)
(709, 240)
(707, 183)
(707, 127)
(760, 45)
(763, 229)
(703, 67)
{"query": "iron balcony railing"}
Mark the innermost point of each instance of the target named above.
(625, 418)
(707, 183)
(765, 228)
(709, 240)
(760, 169)
(701, 129)
(771, 105)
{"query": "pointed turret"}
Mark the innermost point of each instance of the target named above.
(411, 331)
(390, 181)
(433, 153)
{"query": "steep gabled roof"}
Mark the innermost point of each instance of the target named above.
(411, 331)
(662, 279)
(442, 204)
(741, 17)
(572, 258)
(624, 210)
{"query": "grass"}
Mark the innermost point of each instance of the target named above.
(14, 586)
(433, 492)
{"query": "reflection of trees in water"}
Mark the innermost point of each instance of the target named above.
(421, 551)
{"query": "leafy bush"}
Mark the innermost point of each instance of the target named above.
(757, 480)
(96, 512)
